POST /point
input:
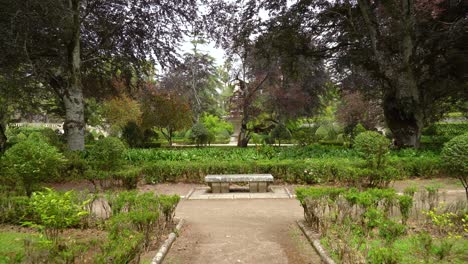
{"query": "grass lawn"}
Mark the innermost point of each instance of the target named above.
(12, 245)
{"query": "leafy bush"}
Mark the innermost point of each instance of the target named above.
(19, 134)
(280, 132)
(383, 255)
(14, 209)
(56, 211)
(373, 147)
(200, 135)
(216, 126)
(322, 132)
(405, 203)
(455, 155)
(105, 158)
(440, 133)
(305, 136)
(75, 165)
(132, 134)
(30, 162)
(390, 230)
(358, 129)
(107, 154)
(135, 221)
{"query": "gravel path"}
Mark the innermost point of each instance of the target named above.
(241, 231)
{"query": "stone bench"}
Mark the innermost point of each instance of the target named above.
(257, 182)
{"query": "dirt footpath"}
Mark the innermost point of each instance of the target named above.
(241, 231)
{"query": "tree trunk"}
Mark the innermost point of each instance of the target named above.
(3, 137)
(74, 125)
(244, 136)
(405, 119)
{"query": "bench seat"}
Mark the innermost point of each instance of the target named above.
(257, 182)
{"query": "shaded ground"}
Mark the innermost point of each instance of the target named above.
(241, 231)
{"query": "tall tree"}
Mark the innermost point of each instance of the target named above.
(277, 70)
(61, 42)
(169, 112)
(197, 79)
(413, 52)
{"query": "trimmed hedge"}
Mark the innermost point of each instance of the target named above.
(310, 171)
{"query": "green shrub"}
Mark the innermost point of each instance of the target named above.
(390, 230)
(133, 212)
(358, 129)
(125, 248)
(280, 132)
(455, 156)
(305, 136)
(168, 204)
(383, 255)
(216, 126)
(48, 135)
(75, 165)
(107, 154)
(322, 132)
(129, 177)
(405, 203)
(132, 134)
(29, 162)
(200, 135)
(373, 147)
(14, 209)
(56, 211)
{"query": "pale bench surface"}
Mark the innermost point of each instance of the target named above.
(239, 178)
(257, 182)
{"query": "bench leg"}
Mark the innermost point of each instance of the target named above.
(225, 187)
(215, 187)
(262, 187)
(253, 187)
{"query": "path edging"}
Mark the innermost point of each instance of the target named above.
(315, 243)
(164, 249)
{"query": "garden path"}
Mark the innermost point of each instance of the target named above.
(241, 231)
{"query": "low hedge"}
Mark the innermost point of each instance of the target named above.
(309, 171)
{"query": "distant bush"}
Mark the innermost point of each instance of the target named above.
(373, 147)
(280, 132)
(217, 126)
(200, 135)
(29, 162)
(133, 135)
(105, 158)
(439, 133)
(48, 135)
(322, 132)
(305, 136)
(107, 154)
(455, 155)
(14, 209)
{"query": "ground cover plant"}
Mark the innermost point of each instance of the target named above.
(381, 226)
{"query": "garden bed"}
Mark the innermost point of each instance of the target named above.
(381, 226)
(64, 227)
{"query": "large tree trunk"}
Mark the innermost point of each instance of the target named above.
(244, 136)
(74, 125)
(404, 119)
(402, 106)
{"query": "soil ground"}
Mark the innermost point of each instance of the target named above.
(241, 231)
